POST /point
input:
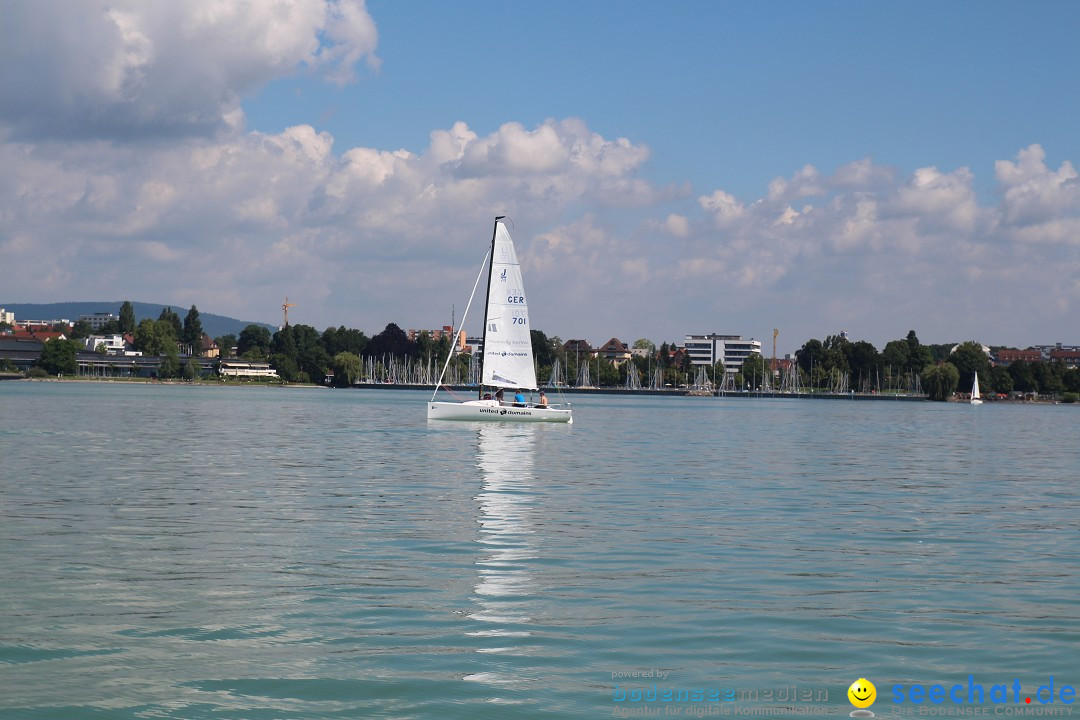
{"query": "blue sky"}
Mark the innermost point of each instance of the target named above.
(671, 168)
(726, 94)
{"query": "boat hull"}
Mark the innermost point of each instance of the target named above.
(490, 412)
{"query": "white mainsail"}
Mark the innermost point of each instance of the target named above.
(507, 356)
(508, 359)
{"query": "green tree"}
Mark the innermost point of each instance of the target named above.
(1049, 376)
(154, 337)
(425, 346)
(1071, 379)
(285, 367)
(919, 355)
(1000, 381)
(754, 371)
(1023, 376)
(110, 328)
(969, 358)
(940, 352)
(127, 318)
(80, 330)
(685, 364)
(254, 342)
(939, 381)
(173, 319)
(392, 342)
(442, 350)
(310, 356)
(895, 359)
(192, 370)
(896, 355)
(811, 359)
(864, 363)
(192, 332)
(645, 344)
(543, 351)
(225, 344)
(346, 367)
(339, 340)
(607, 375)
(59, 357)
(170, 362)
(284, 343)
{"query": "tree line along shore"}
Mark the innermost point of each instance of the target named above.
(344, 357)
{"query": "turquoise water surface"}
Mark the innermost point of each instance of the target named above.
(264, 553)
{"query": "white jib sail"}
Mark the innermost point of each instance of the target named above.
(508, 359)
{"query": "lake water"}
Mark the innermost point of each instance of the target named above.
(264, 553)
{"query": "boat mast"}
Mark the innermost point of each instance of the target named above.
(487, 298)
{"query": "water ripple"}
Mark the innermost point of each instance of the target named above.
(179, 552)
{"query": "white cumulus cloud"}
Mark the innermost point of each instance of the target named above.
(126, 69)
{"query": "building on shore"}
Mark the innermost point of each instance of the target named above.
(113, 344)
(731, 350)
(1006, 356)
(1071, 358)
(209, 348)
(615, 351)
(445, 331)
(244, 369)
(578, 348)
(99, 319)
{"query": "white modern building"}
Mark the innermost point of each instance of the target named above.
(7, 317)
(731, 350)
(243, 369)
(114, 344)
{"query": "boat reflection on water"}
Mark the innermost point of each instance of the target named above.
(505, 589)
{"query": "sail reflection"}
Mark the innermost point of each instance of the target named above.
(505, 587)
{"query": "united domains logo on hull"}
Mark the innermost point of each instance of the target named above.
(504, 411)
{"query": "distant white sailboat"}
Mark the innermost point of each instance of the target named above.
(507, 359)
(976, 398)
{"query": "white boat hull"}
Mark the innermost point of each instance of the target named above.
(491, 411)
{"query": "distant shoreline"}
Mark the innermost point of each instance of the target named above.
(671, 392)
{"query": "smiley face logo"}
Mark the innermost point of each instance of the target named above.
(862, 693)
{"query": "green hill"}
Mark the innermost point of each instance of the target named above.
(213, 325)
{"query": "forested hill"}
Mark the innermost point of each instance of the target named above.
(213, 325)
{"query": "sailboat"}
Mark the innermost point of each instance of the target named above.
(976, 398)
(506, 363)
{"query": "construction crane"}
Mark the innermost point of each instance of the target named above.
(775, 332)
(285, 309)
